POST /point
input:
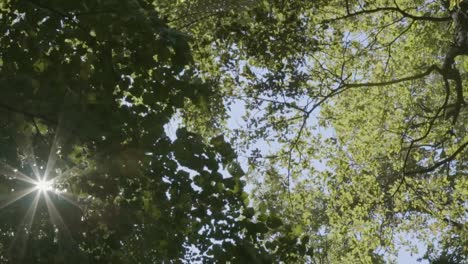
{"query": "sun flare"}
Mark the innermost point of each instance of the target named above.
(43, 185)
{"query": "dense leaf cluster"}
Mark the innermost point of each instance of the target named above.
(87, 89)
(364, 103)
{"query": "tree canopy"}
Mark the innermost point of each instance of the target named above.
(353, 133)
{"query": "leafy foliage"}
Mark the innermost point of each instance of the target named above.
(94, 83)
(385, 81)
(363, 103)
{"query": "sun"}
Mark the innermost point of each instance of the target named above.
(43, 185)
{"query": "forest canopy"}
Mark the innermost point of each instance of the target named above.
(241, 131)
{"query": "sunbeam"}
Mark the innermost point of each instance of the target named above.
(55, 148)
(15, 196)
(57, 219)
(68, 197)
(25, 147)
(23, 230)
(13, 173)
(31, 159)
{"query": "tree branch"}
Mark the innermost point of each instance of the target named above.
(404, 79)
(27, 114)
(441, 162)
(389, 9)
